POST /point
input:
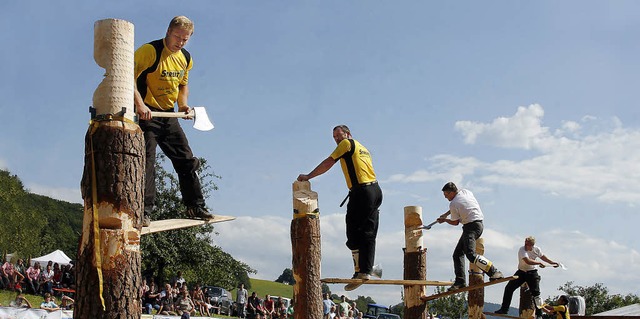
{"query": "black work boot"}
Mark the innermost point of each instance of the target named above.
(457, 285)
(198, 212)
(494, 274)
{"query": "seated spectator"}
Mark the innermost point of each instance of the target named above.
(46, 280)
(166, 301)
(33, 278)
(20, 301)
(68, 278)
(66, 303)
(20, 270)
(198, 299)
(151, 299)
(252, 304)
(8, 275)
(48, 304)
(269, 307)
(57, 275)
(184, 304)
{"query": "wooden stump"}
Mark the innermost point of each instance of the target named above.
(476, 277)
(527, 308)
(415, 263)
(306, 249)
(112, 187)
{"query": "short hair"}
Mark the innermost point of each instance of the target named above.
(343, 127)
(564, 299)
(531, 240)
(450, 187)
(181, 22)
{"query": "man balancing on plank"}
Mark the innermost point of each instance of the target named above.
(365, 197)
(464, 208)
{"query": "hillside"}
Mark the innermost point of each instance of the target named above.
(33, 225)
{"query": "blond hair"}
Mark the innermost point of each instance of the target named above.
(181, 22)
(531, 240)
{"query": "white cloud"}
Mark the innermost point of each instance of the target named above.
(523, 130)
(72, 195)
(601, 164)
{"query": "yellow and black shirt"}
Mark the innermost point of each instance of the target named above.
(160, 88)
(356, 163)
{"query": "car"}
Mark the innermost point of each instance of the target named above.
(287, 301)
(375, 310)
(388, 316)
(219, 297)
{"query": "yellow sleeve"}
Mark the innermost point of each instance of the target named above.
(341, 149)
(143, 58)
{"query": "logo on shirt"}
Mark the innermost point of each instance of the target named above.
(172, 74)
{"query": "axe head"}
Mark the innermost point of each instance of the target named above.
(201, 120)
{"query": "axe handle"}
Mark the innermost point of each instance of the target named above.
(172, 114)
(436, 221)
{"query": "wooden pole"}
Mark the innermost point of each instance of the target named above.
(527, 308)
(305, 244)
(476, 277)
(108, 268)
(415, 263)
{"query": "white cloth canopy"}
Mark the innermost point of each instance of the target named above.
(57, 256)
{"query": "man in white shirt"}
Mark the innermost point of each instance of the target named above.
(528, 273)
(465, 210)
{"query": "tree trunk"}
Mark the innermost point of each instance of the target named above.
(415, 263)
(306, 249)
(112, 187)
(476, 277)
(527, 308)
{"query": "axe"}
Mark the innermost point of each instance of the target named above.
(427, 227)
(198, 113)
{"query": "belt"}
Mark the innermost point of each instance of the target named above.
(365, 184)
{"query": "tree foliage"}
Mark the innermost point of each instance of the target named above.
(451, 307)
(596, 297)
(189, 250)
(33, 225)
(286, 277)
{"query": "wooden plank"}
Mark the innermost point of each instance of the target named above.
(493, 314)
(468, 288)
(386, 282)
(177, 223)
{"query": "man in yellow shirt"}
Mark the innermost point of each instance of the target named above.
(365, 197)
(162, 77)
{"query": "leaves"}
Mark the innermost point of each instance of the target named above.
(596, 297)
(189, 250)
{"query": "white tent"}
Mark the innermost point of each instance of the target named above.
(57, 256)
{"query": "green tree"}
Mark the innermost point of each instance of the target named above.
(286, 277)
(451, 307)
(362, 302)
(596, 297)
(189, 250)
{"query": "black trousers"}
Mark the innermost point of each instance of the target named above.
(533, 281)
(466, 247)
(168, 134)
(362, 223)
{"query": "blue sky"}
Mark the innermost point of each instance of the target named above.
(530, 105)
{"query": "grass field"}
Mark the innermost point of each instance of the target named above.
(261, 287)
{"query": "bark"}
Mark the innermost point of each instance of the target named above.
(476, 277)
(527, 308)
(306, 251)
(415, 264)
(118, 154)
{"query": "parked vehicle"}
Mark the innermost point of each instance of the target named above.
(219, 297)
(375, 310)
(287, 301)
(388, 316)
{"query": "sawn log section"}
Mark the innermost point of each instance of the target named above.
(169, 224)
(468, 288)
(387, 282)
